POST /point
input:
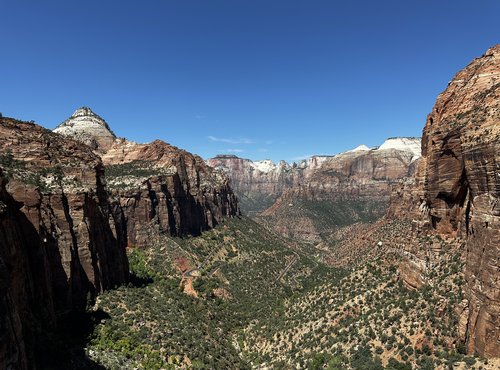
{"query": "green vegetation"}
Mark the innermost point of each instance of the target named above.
(240, 297)
(135, 168)
(122, 176)
(251, 204)
(243, 277)
(34, 176)
(10, 164)
(325, 216)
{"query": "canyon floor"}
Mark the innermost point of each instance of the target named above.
(241, 296)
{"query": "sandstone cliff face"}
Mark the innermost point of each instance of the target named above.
(89, 128)
(362, 171)
(457, 188)
(154, 187)
(314, 198)
(258, 184)
(166, 188)
(59, 242)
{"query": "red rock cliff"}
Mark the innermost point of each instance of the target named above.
(158, 186)
(59, 242)
(155, 187)
(457, 189)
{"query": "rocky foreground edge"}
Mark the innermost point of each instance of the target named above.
(65, 223)
(456, 192)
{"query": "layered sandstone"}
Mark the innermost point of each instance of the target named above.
(167, 188)
(155, 187)
(258, 184)
(310, 200)
(457, 189)
(89, 128)
(60, 244)
(363, 170)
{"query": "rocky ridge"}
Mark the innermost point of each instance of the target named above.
(89, 128)
(259, 184)
(156, 186)
(455, 193)
(311, 199)
(61, 244)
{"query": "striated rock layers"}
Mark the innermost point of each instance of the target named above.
(366, 173)
(258, 184)
(312, 199)
(456, 191)
(362, 171)
(155, 187)
(60, 244)
(89, 128)
(166, 187)
(351, 187)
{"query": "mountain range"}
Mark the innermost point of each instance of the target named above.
(123, 255)
(309, 200)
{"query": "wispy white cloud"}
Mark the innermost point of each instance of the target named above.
(239, 140)
(262, 150)
(269, 142)
(234, 150)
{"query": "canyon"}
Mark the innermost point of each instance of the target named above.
(311, 199)
(456, 189)
(61, 244)
(157, 187)
(385, 257)
(65, 226)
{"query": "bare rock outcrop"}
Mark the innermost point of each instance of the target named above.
(167, 188)
(60, 244)
(155, 187)
(258, 184)
(365, 171)
(89, 128)
(353, 186)
(457, 189)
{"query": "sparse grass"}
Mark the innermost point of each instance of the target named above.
(265, 302)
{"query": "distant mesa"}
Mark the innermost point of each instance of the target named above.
(226, 156)
(412, 144)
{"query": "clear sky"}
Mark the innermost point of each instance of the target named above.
(278, 79)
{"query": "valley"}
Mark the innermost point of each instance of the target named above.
(121, 255)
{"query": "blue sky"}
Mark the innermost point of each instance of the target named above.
(260, 78)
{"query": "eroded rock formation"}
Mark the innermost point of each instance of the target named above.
(310, 200)
(89, 128)
(362, 171)
(155, 187)
(456, 190)
(258, 184)
(60, 244)
(167, 188)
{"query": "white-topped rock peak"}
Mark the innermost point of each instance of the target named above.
(412, 144)
(86, 126)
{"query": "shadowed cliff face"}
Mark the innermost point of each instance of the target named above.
(64, 230)
(59, 243)
(161, 188)
(156, 187)
(457, 189)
